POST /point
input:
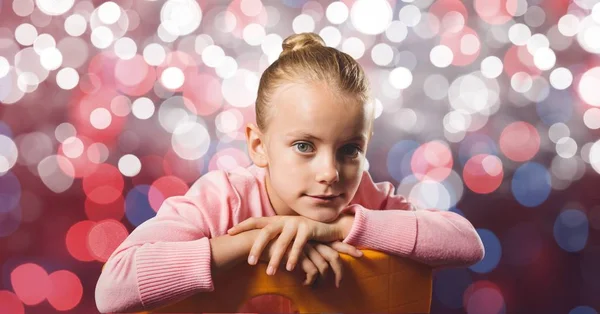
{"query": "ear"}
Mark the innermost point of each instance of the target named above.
(256, 149)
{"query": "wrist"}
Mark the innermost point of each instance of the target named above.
(345, 225)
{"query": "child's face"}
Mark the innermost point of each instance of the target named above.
(329, 163)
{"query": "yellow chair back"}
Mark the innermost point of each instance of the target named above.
(376, 282)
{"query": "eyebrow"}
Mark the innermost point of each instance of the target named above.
(306, 135)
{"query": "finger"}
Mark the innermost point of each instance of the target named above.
(346, 248)
(280, 248)
(334, 259)
(265, 236)
(249, 224)
(317, 259)
(309, 268)
(296, 250)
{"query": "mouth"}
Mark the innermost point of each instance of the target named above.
(325, 197)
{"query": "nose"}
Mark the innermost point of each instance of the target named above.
(328, 172)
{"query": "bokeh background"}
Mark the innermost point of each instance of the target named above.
(488, 108)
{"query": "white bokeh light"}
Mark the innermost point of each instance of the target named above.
(125, 48)
(561, 78)
(213, 55)
(154, 54)
(544, 59)
(100, 118)
(441, 56)
(591, 118)
(491, 67)
(51, 59)
(371, 17)
(102, 37)
(172, 78)
(303, 23)
(337, 12)
(8, 154)
(588, 86)
(401, 78)
(594, 156)
(54, 7)
(75, 25)
(129, 165)
(25, 34)
(382, 54)
(354, 47)
(180, 17)
(142, 108)
(109, 12)
(519, 34)
(254, 34)
(67, 78)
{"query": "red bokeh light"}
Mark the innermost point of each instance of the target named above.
(105, 185)
(76, 240)
(519, 141)
(483, 173)
(105, 237)
(30, 283)
(432, 161)
(66, 292)
(163, 188)
(10, 303)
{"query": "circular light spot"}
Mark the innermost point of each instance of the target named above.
(129, 165)
(303, 23)
(371, 17)
(172, 78)
(100, 118)
(109, 12)
(154, 54)
(337, 12)
(30, 283)
(591, 118)
(104, 185)
(566, 147)
(400, 78)
(76, 240)
(531, 184)
(125, 48)
(66, 290)
(143, 108)
(67, 78)
(588, 87)
(483, 173)
(441, 56)
(493, 252)
(561, 78)
(75, 25)
(10, 303)
(571, 230)
(25, 34)
(105, 237)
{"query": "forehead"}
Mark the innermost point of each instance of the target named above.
(318, 110)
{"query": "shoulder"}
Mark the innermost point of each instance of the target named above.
(227, 186)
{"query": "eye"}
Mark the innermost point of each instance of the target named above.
(353, 150)
(302, 146)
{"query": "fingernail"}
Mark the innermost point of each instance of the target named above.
(270, 271)
(289, 266)
(251, 260)
(359, 252)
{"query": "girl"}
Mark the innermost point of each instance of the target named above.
(306, 198)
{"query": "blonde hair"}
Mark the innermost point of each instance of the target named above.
(306, 59)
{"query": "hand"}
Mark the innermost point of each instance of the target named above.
(316, 259)
(290, 227)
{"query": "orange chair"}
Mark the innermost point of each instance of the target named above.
(376, 282)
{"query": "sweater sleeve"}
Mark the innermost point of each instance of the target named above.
(387, 222)
(168, 257)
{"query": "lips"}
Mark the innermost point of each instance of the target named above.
(325, 197)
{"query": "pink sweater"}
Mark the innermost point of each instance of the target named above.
(168, 257)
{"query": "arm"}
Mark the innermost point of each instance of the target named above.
(173, 254)
(390, 224)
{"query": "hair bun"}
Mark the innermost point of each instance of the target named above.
(301, 41)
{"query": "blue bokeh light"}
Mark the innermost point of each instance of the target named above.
(557, 107)
(137, 205)
(571, 230)
(399, 158)
(531, 184)
(493, 252)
